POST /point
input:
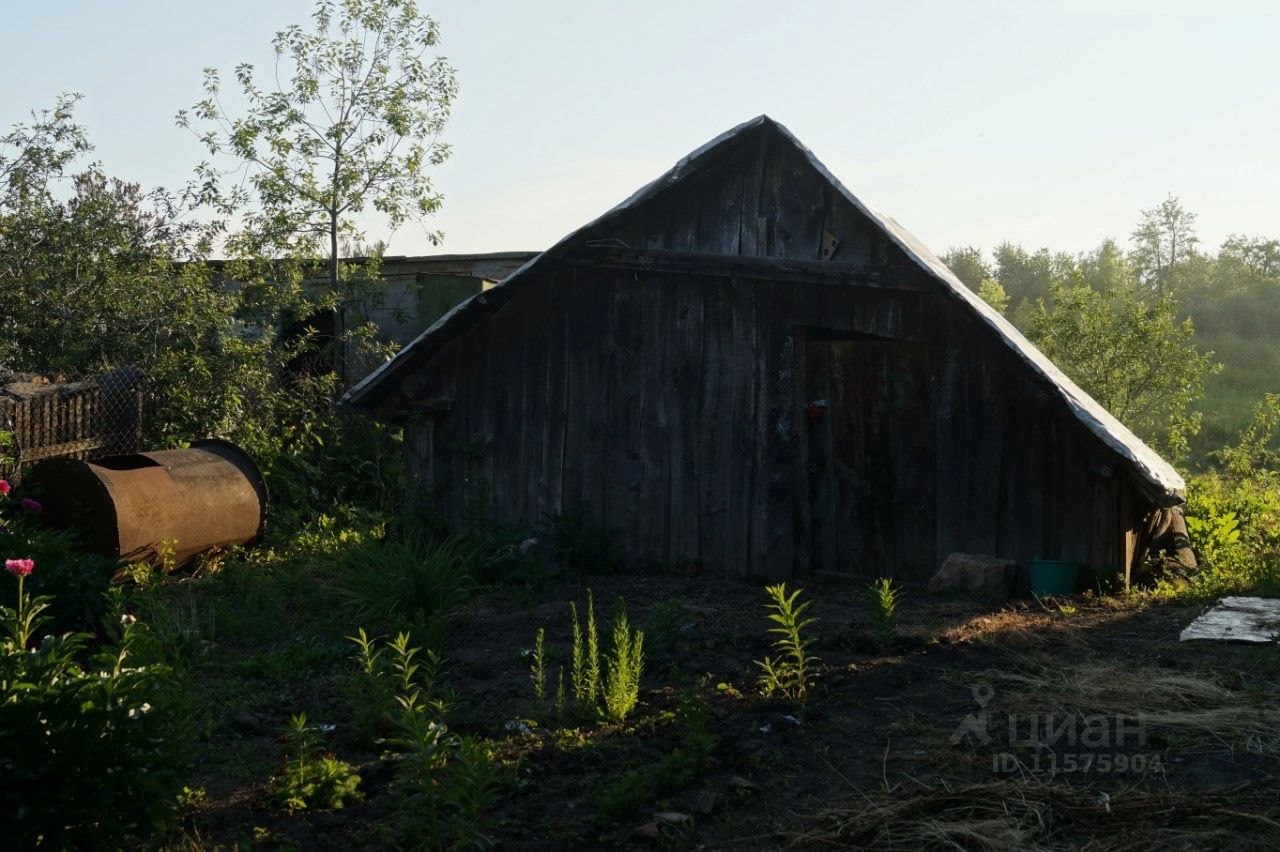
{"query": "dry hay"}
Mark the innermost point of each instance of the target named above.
(1197, 707)
(1004, 816)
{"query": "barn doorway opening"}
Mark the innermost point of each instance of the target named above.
(870, 456)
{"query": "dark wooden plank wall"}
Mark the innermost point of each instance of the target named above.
(672, 405)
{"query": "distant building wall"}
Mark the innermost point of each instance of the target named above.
(418, 290)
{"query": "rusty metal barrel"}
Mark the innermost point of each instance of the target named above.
(135, 506)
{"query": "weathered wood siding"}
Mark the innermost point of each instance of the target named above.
(674, 404)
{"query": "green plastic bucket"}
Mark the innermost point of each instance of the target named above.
(1053, 577)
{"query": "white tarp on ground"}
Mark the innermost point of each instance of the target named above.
(1238, 620)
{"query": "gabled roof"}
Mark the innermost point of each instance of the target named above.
(1157, 475)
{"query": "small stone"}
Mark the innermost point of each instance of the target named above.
(673, 818)
(741, 783)
(972, 572)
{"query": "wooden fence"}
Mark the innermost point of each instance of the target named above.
(73, 420)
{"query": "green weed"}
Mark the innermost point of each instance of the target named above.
(664, 622)
(791, 674)
(309, 777)
(443, 782)
(626, 796)
(390, 677)
(626, 665)
(538, 668)
(883, 598)
(585, 656)
(611, 685)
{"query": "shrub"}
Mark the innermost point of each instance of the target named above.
(791, 674)
(1234, 526)
(1233, 515)
(90, 744)
(74, 584)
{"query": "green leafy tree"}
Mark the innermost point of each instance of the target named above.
(32, 155)
(96, 278)
(1106, 268)
(1243, 261)
(1026, 277)
(1164, 239)
(969, 265)
(1134, 357)
(111, 276)
(353, 126)
(993, 294)
(99, 274)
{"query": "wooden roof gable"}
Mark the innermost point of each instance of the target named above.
(1156, 475)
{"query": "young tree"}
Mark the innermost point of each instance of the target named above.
(354, 124)
(1133, 357)
(1164, 239)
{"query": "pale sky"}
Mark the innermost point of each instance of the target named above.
(969, 122)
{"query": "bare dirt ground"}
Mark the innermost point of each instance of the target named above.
(879, 757)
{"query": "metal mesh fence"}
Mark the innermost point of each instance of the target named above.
(41, 419)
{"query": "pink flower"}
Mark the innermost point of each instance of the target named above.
(33, 505)
(19, 567)
(5, 487)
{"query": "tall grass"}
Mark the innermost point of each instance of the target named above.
(409, 583)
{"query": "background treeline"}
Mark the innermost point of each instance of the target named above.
(1174, 298)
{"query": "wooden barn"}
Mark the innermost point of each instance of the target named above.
(746, 367)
